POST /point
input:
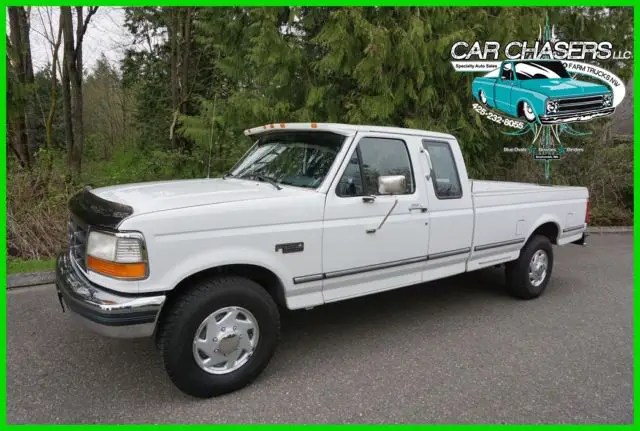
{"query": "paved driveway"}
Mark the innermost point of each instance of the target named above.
(454, 351)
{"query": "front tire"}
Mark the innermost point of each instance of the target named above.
(218, 336)
(527, 277)
(528, 113)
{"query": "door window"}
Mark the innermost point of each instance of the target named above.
(507, 72)
(444, 175)
(373, 158)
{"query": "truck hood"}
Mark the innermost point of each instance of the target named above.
(563, 87)
(166, 195)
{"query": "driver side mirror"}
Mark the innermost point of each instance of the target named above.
(391, 184)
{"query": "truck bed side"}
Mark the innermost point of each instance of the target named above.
(507, 214)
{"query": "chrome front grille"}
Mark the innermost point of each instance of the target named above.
(77, 242)
(580, 104)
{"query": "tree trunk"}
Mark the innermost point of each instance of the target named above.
(72, 83)
(173, 65)
(66, 22)
(22, 97)
(75, 76)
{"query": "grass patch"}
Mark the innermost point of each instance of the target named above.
(15, 266)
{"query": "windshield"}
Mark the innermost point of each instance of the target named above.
(300, 159)
(540, 70)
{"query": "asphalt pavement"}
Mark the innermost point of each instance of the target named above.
(453, 351)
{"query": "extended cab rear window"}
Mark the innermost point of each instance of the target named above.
(444, 175)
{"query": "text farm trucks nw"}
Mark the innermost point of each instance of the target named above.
(312, 214)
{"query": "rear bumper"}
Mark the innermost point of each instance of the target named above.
(575, 116)
(103, 311)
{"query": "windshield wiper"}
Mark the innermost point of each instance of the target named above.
(226, 175)
(263, 178)
(268, 179)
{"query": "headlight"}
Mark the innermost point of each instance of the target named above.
(117, 255)
(607, 99)
(552, 106)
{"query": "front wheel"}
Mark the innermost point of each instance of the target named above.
(527, 277)
(528, 112)
(219, 336)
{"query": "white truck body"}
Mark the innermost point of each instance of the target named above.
(193, 225)
(301, 241)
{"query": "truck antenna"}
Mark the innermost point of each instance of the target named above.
(213, 119)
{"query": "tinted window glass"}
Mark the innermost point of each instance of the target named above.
(381, 157)
(293, 158)
(445, 174)
(507, 73)
(351, 182)
(540, 70)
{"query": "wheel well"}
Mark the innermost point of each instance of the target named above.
(550, 230)
(520, 109)
(264, 277)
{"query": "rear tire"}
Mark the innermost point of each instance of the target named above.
(527, 277)
(483, 97)
(182, 326)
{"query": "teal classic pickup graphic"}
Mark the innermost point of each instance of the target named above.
(542, 91)
(533, 87)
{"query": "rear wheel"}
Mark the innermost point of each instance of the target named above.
(219, 336)
(527, 277)
(483, 97)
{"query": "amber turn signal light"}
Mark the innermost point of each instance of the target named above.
(117, 270)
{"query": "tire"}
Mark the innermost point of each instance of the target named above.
(519, 282)
(482, 97)
(183, 322)
(528, 113)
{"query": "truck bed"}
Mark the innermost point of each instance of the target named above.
(508, 212)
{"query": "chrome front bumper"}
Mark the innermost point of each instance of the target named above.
(575, 116)
(109, 313)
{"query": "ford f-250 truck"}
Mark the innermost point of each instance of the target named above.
(312, 214)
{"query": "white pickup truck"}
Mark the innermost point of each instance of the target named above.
(312, 214)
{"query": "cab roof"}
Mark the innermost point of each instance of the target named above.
(343, 129)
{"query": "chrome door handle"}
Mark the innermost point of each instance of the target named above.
(418, 207)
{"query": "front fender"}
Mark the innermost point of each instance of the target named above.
(534, 99)
(228, 256)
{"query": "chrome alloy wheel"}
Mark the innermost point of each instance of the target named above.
(483, 97)
(538, 267)
(225, 340)
(528, 112)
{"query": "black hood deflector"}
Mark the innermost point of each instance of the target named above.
(92, 210)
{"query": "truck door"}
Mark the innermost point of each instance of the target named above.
(362, 252)
(450, 209)
(503, 87)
